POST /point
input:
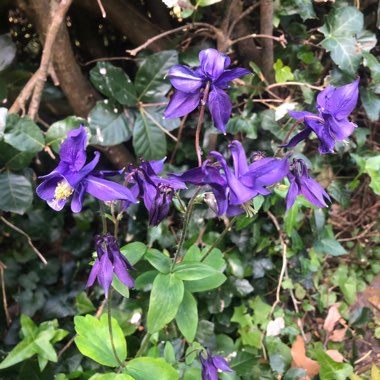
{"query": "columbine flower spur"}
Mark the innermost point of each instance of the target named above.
(334, 105)
(190, 84)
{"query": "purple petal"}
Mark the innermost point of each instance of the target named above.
(122, 273)
(221, 363)
(303, 135)
(213, 63)
(327, 141)
(292, 192)
(341, 129)
(107, 190)
(313, 192)
(239, 158)
(93, 274)
(300, 115)
(105, 273)
(181, 104)
(220, 107)
(157, 165)
(229, 75)
(76, 202)
(46, 190)
(271, 172)
(73, 149)
(234, 210)
(323, 97)
(57, 205)
(185, 79)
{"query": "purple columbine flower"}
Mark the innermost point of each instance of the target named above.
(211, 365)
(156, 192)
(73, 178)
(233, 189)
(302, 184)
(334, 105)
(189, 85)
(109, 261)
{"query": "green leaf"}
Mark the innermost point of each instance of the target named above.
(57, 132)
(371, 103)
(93, 339)
(330, 247)
(108, 126)
(207, 283)
(158, 260)
(187, 316)
(330, 369)
(83, 304)
(114, 83)
(165, 299)
(151, 368)
(192, 271)
(120, 287)
(149, 141)
(373, 64)
(282, 73)
(8, 51)
(12, 158)
(133, 252)
(28, 327)
(110, 376)
(16, 193)
(23, 134)
(372, 167)
(341, 26)
(169, 353)
(24, 350)
(150, 82)
(206, 3)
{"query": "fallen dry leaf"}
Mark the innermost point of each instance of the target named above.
(335, 355)
(338, 335)
(300, 360)
(332, 318)
(274, 327)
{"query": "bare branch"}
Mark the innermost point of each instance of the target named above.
(280, 39)
(242, 15)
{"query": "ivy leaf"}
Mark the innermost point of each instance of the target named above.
(108, 125)
(16, 193)
(330, 369)
(149, 141)
(282, 73)
(165, 299)
(150, 82)
(371, 103)
(114, 83)
(329, 246)
(93, 339)
(23, 134)
(373, 64)
(339, 30)
(12, 158)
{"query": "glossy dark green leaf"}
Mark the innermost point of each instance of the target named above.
(330, 247)
(114, 83)
(57, 132)
(187, 316)
(165, 299)
(371, 103)
(108, 125)
(16, 194)
(150, 82)
(12, 158)
(23, 134)
(149, 141)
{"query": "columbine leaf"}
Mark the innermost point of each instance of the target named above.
(133, 252)
(187, 316)
(192, 271)
(151, 368)
(165, 298)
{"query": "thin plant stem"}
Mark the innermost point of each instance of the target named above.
(220, 238)
(144, 345)
(200, 121)
(186, 221)
(102, 215)
(121, 364)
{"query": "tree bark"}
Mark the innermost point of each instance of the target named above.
(266, 27)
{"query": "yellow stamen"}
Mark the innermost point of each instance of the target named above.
(249, 209)
(63, 190)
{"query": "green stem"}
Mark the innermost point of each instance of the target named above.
(121, 364)
(102, 214)
(144, 345)
(186, 221)
(220, 238)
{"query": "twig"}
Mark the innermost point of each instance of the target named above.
(220, 238)
(29, 240)
(109, 59)
(281, 40)
(5, 303)
(158, 125)
(102, 10)
(184, 28)
(98, 313)
(200, 121)
(36, 83)
(179, 136)
(241, 16)
(285, 84)
(144, 345)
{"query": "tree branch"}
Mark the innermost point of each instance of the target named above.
(266, 28)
